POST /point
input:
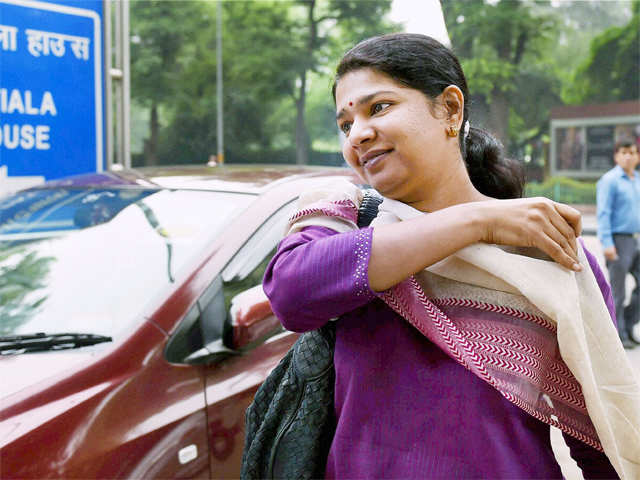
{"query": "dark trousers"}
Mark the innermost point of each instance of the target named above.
(628, 262)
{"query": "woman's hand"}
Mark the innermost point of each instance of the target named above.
(533, 222)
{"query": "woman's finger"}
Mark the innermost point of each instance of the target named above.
(559, 238)
(571, 215)
(558, 254)
(564, 229)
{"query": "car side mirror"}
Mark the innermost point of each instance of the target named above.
(210, 334)
(251, 318)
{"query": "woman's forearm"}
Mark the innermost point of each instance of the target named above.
(402, 249)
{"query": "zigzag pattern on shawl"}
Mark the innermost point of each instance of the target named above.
(568, 391)
(460, 302)
(560, 368)
(474, 336)
(448, 336)
(344, 208)
(481, 357)
(500, 363)
(549, 420)
(491, 350)
(557, 371)
(498, 350)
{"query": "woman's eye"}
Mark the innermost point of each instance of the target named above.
(345, 127)
(378, 107)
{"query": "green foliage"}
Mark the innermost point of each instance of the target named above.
(521, 58)
(21, 274)
(501, 46)
(565, 190)
(268, 48)
(580, 22)
(612, 70)
(320, 112)
(485, 74)
(162, 33)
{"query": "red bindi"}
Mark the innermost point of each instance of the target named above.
(351, 104)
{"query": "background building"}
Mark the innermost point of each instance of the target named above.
(583, 137)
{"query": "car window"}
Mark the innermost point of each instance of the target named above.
(90, 260)
(247, 267)
(45, 213)
(207, 320)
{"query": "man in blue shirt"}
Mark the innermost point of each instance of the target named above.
(618, 210)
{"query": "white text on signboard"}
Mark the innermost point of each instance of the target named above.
(25, 136)
(41, 43)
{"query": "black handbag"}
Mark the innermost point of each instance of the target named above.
(290, 424)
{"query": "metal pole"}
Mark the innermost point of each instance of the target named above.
(108, 94)
(116, 74)
(118, 86)
(126, 86)
(220, 125)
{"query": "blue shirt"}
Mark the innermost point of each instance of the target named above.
(618, 200)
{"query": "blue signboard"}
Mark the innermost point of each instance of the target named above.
(51, 95)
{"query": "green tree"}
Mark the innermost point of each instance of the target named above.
(500, 45)
(320, 26)
(271, 51)
(258, 77)
(162, 31)
(612, 70)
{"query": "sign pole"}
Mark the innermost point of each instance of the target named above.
(220, 120)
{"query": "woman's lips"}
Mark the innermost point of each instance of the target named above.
(371, 160)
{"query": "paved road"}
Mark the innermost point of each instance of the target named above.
(569, 469)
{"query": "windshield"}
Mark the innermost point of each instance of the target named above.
(88, 260)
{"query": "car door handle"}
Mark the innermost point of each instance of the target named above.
(187, 454)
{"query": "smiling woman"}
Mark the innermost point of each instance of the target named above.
(451, 313)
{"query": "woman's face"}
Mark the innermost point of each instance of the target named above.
(392, 137)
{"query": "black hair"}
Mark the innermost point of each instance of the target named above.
(623, 143)
(424, 64)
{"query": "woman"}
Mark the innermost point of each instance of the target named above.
(406, 405)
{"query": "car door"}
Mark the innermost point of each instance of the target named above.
(232, 383)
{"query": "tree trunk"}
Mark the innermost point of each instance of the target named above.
(499, 116)
(302, 135)
(151, 145)
(303, 143)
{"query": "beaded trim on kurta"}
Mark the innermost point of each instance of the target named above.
(362, 262)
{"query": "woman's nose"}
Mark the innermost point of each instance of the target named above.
(361, 132)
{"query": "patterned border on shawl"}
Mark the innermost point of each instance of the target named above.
(448, 337)
(498, 356)
(543, 322)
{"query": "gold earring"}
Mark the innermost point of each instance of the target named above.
(452, 131)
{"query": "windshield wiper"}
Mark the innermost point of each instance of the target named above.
(38, 342)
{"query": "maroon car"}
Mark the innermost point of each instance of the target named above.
(133, 328)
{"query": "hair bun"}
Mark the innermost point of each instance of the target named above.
(490, 172)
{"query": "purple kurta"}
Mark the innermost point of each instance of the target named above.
(405, 409)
